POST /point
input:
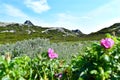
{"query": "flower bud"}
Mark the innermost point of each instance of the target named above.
(8, 57)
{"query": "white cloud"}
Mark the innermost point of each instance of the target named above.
(37, 6)
(110, 8)
(66, 17)
(103, 16)
(13, 11)
(65, 20)
(14, 14)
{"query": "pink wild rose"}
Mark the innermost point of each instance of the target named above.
(59, 75)
(107, 43)
(52, 54)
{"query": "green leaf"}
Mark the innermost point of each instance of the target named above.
(6, 77)
(93, 72)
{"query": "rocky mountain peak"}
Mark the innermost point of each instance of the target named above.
(28, 22)
(77, 31)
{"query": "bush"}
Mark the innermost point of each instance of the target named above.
(101, 61)
(34, 46)
(42, 67)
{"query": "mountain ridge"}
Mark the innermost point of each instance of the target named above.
(16, 32)
(12, 32)
(113, 28)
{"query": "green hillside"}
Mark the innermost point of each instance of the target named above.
(13, 32)
(113, 30)
(17, 32)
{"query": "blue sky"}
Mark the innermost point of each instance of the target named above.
(86, 15)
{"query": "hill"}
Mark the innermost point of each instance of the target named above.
(113, 30)
(12, 32)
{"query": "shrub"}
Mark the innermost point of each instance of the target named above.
(101, 61)
(41, 67)
(34, 46)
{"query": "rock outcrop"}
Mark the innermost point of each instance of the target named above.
(28, 22)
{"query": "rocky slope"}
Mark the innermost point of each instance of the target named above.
(15, 31)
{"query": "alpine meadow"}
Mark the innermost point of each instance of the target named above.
(59, 40)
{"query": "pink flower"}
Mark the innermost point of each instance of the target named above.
(59, 75)
(107, 43)
(52, 54)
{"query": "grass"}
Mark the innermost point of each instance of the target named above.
(32, 47)
(22, 42)
(24, 32)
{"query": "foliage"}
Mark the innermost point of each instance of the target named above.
(17, 32)
(34, 46)
(23, 68)
(23, 32)
(99, 62)
(30, 47)
(15, 69)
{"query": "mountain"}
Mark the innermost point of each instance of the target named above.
(78, 32)
(113, 30)
(12, 32)
(28, 22)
